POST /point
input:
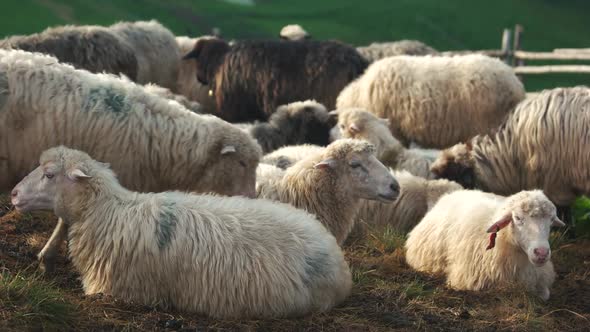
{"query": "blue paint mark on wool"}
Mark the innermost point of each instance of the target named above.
(4, 90)
(105, 99)
(315, 267)
(166, 225)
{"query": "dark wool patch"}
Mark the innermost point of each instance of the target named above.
(4, 90)
(315, 267)
(166, 227)
(108, 100)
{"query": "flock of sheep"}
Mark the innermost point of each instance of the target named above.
(277, 152)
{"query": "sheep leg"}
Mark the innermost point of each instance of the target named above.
(49, 252)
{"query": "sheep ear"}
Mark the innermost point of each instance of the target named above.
(498, 225)
(556, 222)
(192, 54)
(77, 174)
(353, 128)
(228, 149)
(328, 163)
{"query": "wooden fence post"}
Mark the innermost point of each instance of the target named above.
(516, 62)
(506, 56)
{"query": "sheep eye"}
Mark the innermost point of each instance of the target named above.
(242, 163)
(341, 126)
(355, 164)
(49, 176)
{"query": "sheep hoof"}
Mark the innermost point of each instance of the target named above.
(46, 263)
(544, 294)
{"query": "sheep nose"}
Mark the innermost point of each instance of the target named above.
(394, 186)
(14, 193)
(541, 252)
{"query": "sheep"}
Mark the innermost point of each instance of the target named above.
(294, 32)
(94, 48)
(287, 156)
(378, 51)
(225, 257)
(436, 101)
(251, 78)
(192, 106)
(152, 143)
(360, 124)
(331, 184)
(543, 144)
(451, 239)
(158, 54)
(187, 84)
(295, 123)
(417, 196)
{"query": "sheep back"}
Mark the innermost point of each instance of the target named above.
(94, 48)
(254, 77)
(436, 101)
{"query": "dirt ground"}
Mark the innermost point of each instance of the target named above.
(387, 294)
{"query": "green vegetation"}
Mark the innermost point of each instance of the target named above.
(30, 302)
(446, 25)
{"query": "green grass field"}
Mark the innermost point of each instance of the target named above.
(446, 25)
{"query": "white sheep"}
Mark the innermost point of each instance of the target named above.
(156, 50)
(192, 106)
(226, 257)
(152, 143)
(94, 48)
(436, 101)
(287, 156)
(187, 84)
(360, 124)
(378, 51)
(331, 184)
(453, 239)
(543, 144)
(417, 196)
(294, 32)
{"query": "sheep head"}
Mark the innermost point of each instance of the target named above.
(361, 124)
(354, 164)
(304, 122)
(61, 171)
(530, 214)
(209, 55)
(456, 164)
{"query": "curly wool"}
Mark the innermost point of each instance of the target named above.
(250, 79)
(543, 144)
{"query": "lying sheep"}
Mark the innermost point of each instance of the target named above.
(187, 84)
(294, 32)
(153, 144)
(417, 196)
(436, 101)
(453, 239)
(250, 79)
(378, 51)
(192, 106)
(156, 50)
(286, 157)
(543, 144)
(226, 257)
(360, 124)
(94, 48)
(292, 124)
(331, 184)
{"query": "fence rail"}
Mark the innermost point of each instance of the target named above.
(512, 54)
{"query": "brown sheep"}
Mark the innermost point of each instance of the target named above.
(250, 79)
